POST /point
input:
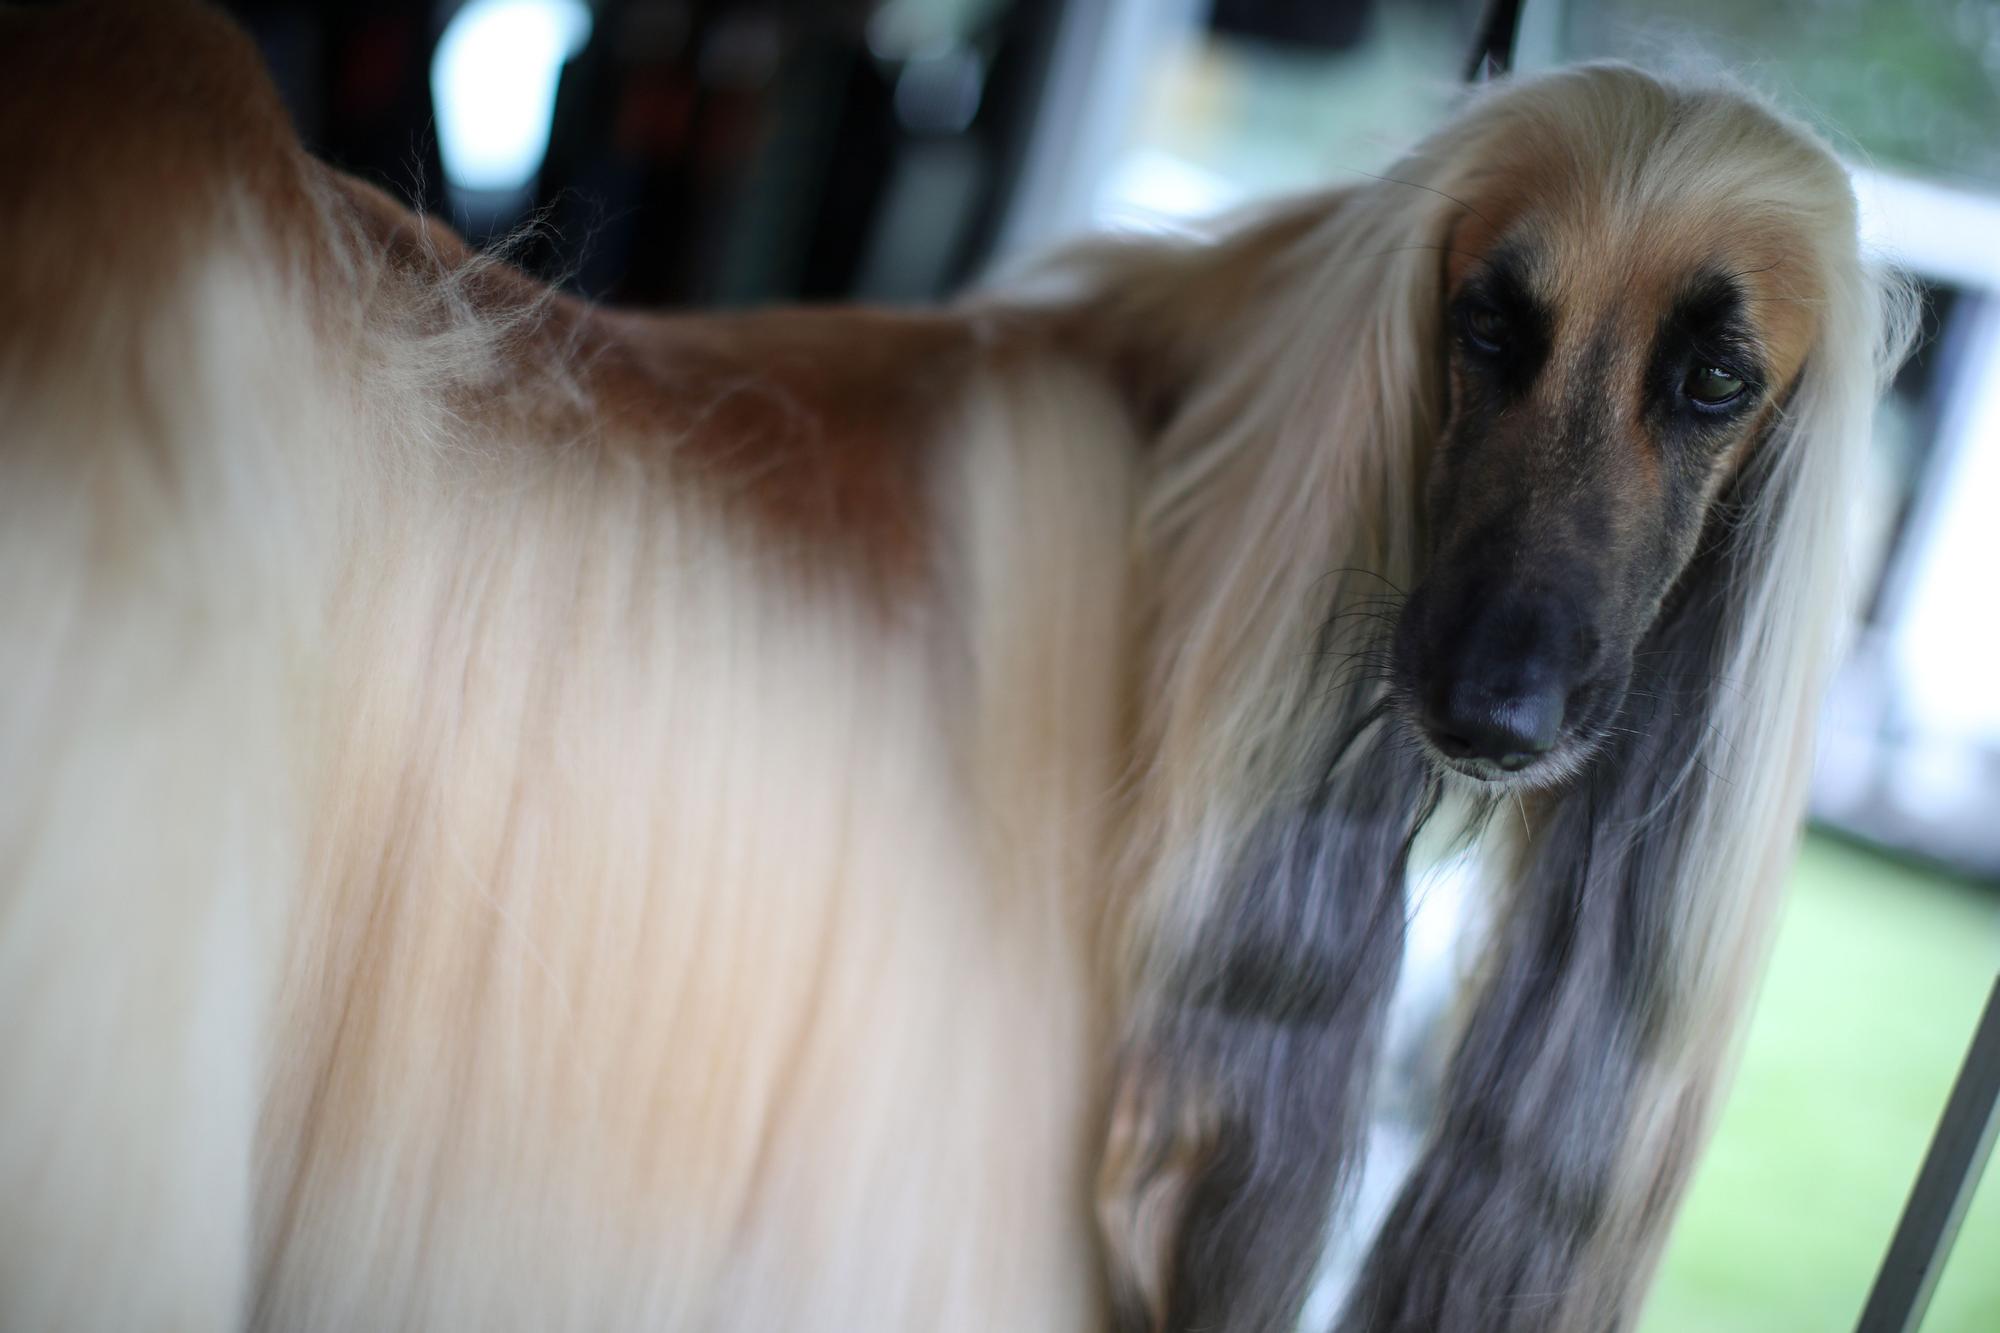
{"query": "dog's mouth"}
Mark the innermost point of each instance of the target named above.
(1489, 770)
(1513, 770)
(1584, 728)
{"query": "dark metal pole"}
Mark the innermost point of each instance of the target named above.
(1493, 48)
(1944, 1187)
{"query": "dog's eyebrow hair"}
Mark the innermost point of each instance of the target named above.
(1709, 300)
(1711, 313)
(1507, 273)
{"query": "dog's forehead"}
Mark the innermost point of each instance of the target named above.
(1595, 261)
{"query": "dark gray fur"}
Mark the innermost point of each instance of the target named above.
(1275, 1026)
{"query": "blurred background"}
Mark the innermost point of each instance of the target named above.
(740, 152)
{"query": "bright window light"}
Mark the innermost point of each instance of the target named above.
(493, 80)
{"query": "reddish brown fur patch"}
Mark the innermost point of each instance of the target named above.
(133, 122)
(815, 424)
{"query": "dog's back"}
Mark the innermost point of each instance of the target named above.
(519, 817)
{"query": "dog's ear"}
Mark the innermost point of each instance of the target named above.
(1259, 924)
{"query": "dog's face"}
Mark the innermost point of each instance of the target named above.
(1607, 370)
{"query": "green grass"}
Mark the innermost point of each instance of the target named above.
(1879, 974)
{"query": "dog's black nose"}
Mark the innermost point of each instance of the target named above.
(1501, 674)
(1510, 729)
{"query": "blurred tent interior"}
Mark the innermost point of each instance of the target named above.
(737, 152)
(705, 153)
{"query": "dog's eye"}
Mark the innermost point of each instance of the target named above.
(1712, 386)
(1485, 327)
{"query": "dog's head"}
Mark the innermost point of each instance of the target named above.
(1627, 301)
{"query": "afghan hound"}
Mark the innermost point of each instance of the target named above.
(523, 815)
